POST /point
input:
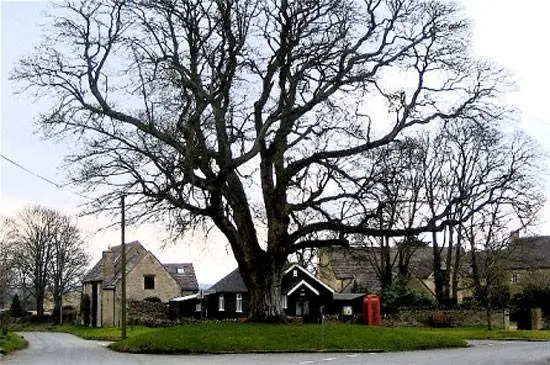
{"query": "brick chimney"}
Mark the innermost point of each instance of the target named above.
(108, 265)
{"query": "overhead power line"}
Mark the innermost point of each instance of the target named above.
(35, 174)
(59, 186)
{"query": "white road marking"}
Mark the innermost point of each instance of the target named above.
(352, 355)
(307, 362)
(329, 359)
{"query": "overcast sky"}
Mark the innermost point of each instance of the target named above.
(514, 34)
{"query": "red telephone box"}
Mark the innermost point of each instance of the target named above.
(371, 310)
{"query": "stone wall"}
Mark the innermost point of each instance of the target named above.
(108, 313)
(148, 313)
(429, 317)
(165, 289)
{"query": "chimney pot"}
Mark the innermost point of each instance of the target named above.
(108, 265)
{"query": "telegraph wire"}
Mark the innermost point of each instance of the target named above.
(35, 174)
(535, 118)
(30, 171)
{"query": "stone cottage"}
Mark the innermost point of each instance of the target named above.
(146, 278)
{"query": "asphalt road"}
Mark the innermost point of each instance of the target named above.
(60, 349)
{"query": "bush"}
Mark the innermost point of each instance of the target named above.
(85, 309)
(532, 297)
(69, 314)
(4, 321)
(16, 310)
(400, 295)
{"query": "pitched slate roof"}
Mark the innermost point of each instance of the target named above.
(187, 280)
(96, 273)
(302, 269)
(358, 264)
(231, 283)
(530, 253)
(134, 253)
(353, 263)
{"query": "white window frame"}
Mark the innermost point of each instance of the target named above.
(284, 301)
(239, 303)
(295, 273)
(221, 303)
(198, 307)
(515, 277)
(180, 270)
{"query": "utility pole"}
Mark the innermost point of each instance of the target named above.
(123, 267)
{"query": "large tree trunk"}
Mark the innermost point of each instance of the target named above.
(39, 303)
(264, 289)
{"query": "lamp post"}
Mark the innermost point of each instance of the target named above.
(123, 267)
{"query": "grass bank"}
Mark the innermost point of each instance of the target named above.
(211, 337)
(11, 342)
(241, 337)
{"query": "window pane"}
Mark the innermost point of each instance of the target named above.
(239, 303)
(148, 282)
(221, 304)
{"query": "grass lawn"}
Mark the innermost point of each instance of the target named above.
(239, 337)
(211, 337)
(11, 343)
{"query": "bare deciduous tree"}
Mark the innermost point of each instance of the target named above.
(7, 274)
(47, 251)
(235, 112)
(69, 262)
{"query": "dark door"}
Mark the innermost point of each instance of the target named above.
(302, 308)
(94, 304)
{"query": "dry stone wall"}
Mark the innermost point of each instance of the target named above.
(443, 318)
(148, 313)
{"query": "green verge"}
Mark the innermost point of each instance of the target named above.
(212, 337)
(233, 337)
(12, 342)
(87, 333)
(103, 333)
